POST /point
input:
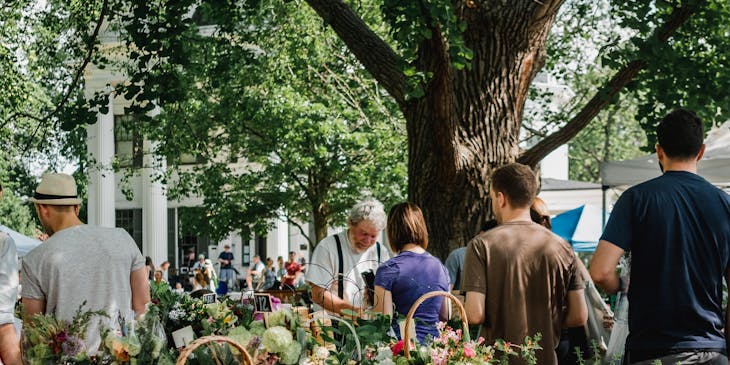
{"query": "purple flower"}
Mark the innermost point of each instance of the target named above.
(72, 346)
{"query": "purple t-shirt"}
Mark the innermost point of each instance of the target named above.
(408, 276)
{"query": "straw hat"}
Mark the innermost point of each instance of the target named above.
(56, 189)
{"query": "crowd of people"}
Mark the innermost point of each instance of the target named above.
(516, 277)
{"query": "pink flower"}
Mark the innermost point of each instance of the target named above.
(439, 356)
(469, 351)
(210, 320)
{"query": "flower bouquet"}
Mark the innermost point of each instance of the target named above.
(48, 340)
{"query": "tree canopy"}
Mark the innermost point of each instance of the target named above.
(269, 73)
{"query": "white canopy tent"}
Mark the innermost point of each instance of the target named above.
(714, 165)
(23, 243)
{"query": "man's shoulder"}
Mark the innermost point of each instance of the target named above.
(456, 254)
(328, 243)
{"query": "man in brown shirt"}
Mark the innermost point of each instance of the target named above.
(520, 278)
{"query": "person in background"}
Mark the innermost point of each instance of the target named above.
(293, 270)
(200, 264)
(150, 267)
(200, 281)
(211, 275)
(190, 261)
(9, 344)
(164, 267)
(521, 302)
(455, 262)
(75, 252)
(227, 273)
(281, 270)
(269, 275)
(413, 272)
(574, 337)
(677, 229)
(255, 272)
(340, 261)
(158, 277)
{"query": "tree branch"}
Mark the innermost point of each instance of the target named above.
(77, 77)
(301, 230)
(376, 56)
(604, 95)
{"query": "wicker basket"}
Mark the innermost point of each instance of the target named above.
(183, 358)
(423, 298)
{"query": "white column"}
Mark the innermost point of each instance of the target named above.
(277, 240)
(100, 142)
(154, 205)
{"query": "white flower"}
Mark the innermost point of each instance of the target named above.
(321, 352)
(277, 339)
(384, 354)
(176, 314)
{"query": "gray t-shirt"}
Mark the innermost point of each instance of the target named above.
(455, 266)
(83, 263)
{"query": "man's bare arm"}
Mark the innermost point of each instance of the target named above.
(577, 309)
(329, 301)
(474, 305)
(9, 345)
(603, 266)
(140, 290)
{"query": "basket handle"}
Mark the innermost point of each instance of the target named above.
(183, 358)
(423, 298)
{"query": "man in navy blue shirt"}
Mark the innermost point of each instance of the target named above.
(226, 274)
(677, 229)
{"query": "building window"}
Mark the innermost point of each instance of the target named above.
(131, 221)
(128, 141)
(191, 159)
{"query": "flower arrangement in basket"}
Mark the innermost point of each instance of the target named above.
(452, 346)
(280, 339)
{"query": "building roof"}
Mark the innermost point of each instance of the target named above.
(549, 184)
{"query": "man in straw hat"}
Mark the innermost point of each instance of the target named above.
(9, 346)
(78, 262)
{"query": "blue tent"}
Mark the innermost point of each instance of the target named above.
(581, 227)
(23, 243)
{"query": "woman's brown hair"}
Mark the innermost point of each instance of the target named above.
(540, 214)
(406, 225)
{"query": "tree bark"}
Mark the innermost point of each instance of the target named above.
(469, 121)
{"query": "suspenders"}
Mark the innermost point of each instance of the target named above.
(341, 264)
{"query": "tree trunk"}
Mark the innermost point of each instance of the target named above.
(321, 224)
(469, 121)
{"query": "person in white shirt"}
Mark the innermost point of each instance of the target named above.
(339, 262)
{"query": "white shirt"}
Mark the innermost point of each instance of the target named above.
(8, 278)
(322, 269)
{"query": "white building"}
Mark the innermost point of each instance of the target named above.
(145, 210)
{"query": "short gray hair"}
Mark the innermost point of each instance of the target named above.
(368, 210)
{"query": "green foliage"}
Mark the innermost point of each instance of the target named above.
(17, 215)
(413, 24)
(688, 71)
(584, 32)
(275, 121)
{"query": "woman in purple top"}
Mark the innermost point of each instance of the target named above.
(401, 280)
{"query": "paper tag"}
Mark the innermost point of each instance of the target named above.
(183, 337)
